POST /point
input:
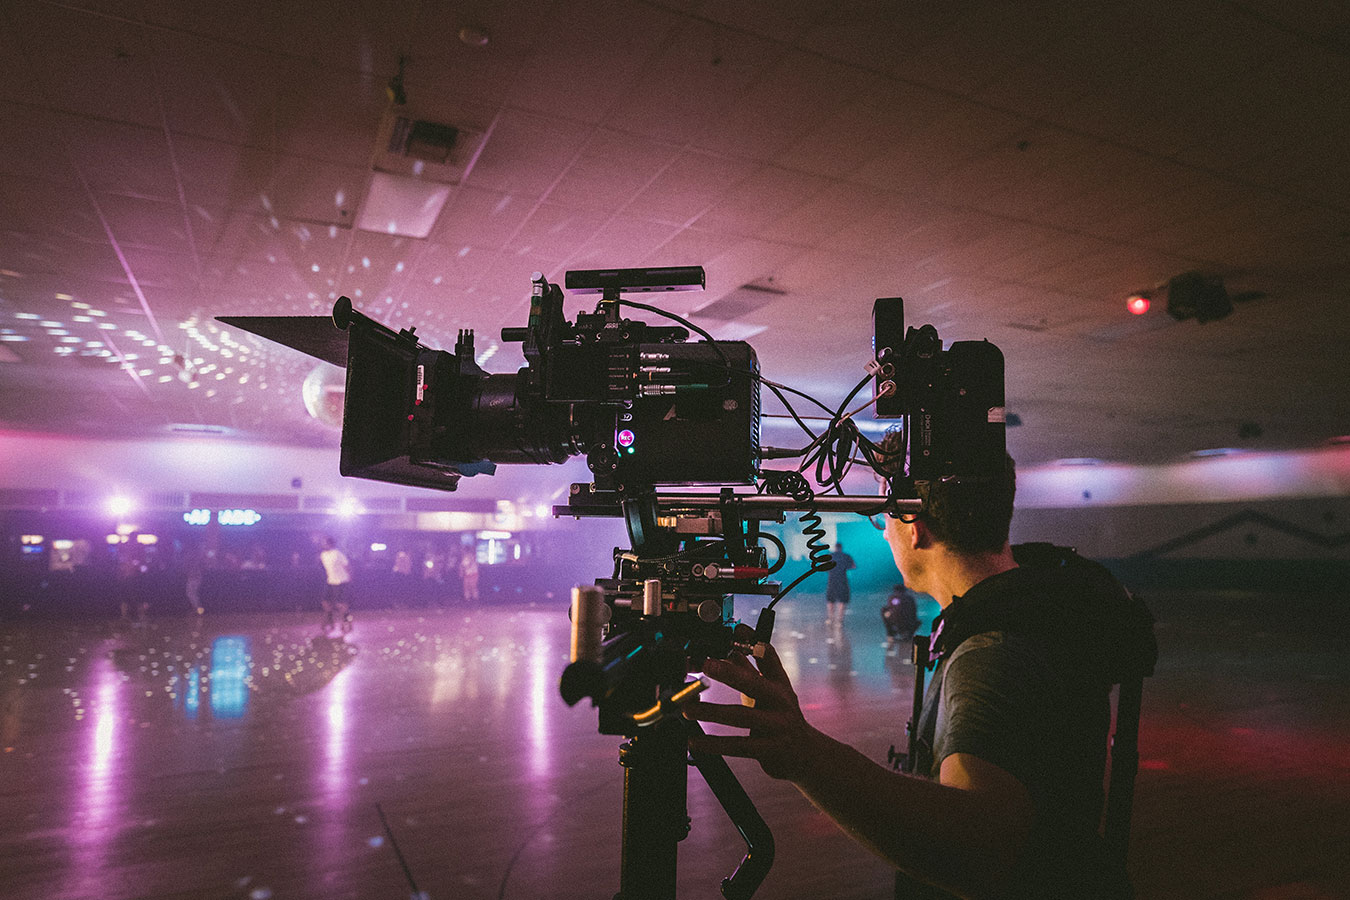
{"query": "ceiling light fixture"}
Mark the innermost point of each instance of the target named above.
(1198, 296)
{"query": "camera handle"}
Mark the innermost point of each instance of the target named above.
(655, 759)
(656, 815)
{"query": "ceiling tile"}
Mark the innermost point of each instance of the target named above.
(690, 186)
(621, 242)
(687, 247)
(582, 37)
(527, 153)
(835, 207)
(756, 203)
(90, 65)
(691, 82)
(611, 171)
(556, 232)
(111, 157)
(865, 128)
(220, 91)
(316, 192)
(475, 217)
(982, 43)
(33, 143)
(878, 34)
(328, 115)
(135, 221)
(44, 207)
(799, 93)
(442, 63)
(882, 233)
(931, 149)
(778, 20)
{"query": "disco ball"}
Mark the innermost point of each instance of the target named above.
(323, 391)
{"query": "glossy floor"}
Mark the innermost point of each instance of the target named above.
(244, 757)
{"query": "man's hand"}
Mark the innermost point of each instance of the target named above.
(779, 737)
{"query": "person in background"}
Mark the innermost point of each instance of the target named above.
(468, 575)
(836, 588)
(338, 571)
(900, 615)
(196, 565)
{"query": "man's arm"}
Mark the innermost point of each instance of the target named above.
(962, 833)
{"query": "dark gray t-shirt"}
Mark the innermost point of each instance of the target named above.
(1003, 698)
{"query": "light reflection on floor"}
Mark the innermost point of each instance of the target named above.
(245, 757)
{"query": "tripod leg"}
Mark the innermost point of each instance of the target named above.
(655, 814)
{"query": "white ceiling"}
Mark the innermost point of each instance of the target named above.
(1013, 170)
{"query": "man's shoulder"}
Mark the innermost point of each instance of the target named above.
(998, 660)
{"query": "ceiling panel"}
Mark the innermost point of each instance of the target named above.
(1011, 170)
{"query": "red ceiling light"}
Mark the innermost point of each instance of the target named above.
(1137, 304)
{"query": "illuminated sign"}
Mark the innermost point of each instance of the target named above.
(224, 517)
(238, 517)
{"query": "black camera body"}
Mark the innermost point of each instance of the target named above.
(950, 401)
(646, 408)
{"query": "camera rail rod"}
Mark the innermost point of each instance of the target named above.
(770, 503)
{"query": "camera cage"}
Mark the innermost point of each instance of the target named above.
(652, 413)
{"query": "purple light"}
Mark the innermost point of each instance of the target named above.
(626, 438)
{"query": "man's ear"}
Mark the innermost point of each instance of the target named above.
(921, 538)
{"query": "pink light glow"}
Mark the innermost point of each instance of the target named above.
(336, 777)
(542, 698)
(94, 823)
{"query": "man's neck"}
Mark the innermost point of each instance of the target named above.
(957, 573)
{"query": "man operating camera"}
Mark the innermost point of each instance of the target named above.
(1014, 733)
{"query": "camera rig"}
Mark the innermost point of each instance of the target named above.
(652, 413)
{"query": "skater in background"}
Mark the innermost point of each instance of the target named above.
(900, 615)
(339, 575)
(836, 589)
(468, 575)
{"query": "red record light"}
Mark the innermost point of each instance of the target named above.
(1138, 304)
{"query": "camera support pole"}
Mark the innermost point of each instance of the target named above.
(647, 659)
(655, 812)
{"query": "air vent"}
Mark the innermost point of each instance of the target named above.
(197, 430)
(428, 141)
(745, 299)
(424, 149)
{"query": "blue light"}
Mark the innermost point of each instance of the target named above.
(229, 668)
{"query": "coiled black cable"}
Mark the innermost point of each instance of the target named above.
(795, 485)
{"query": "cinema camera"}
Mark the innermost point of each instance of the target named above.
(651, 413)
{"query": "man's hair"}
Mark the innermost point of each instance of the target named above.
(968, 515)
